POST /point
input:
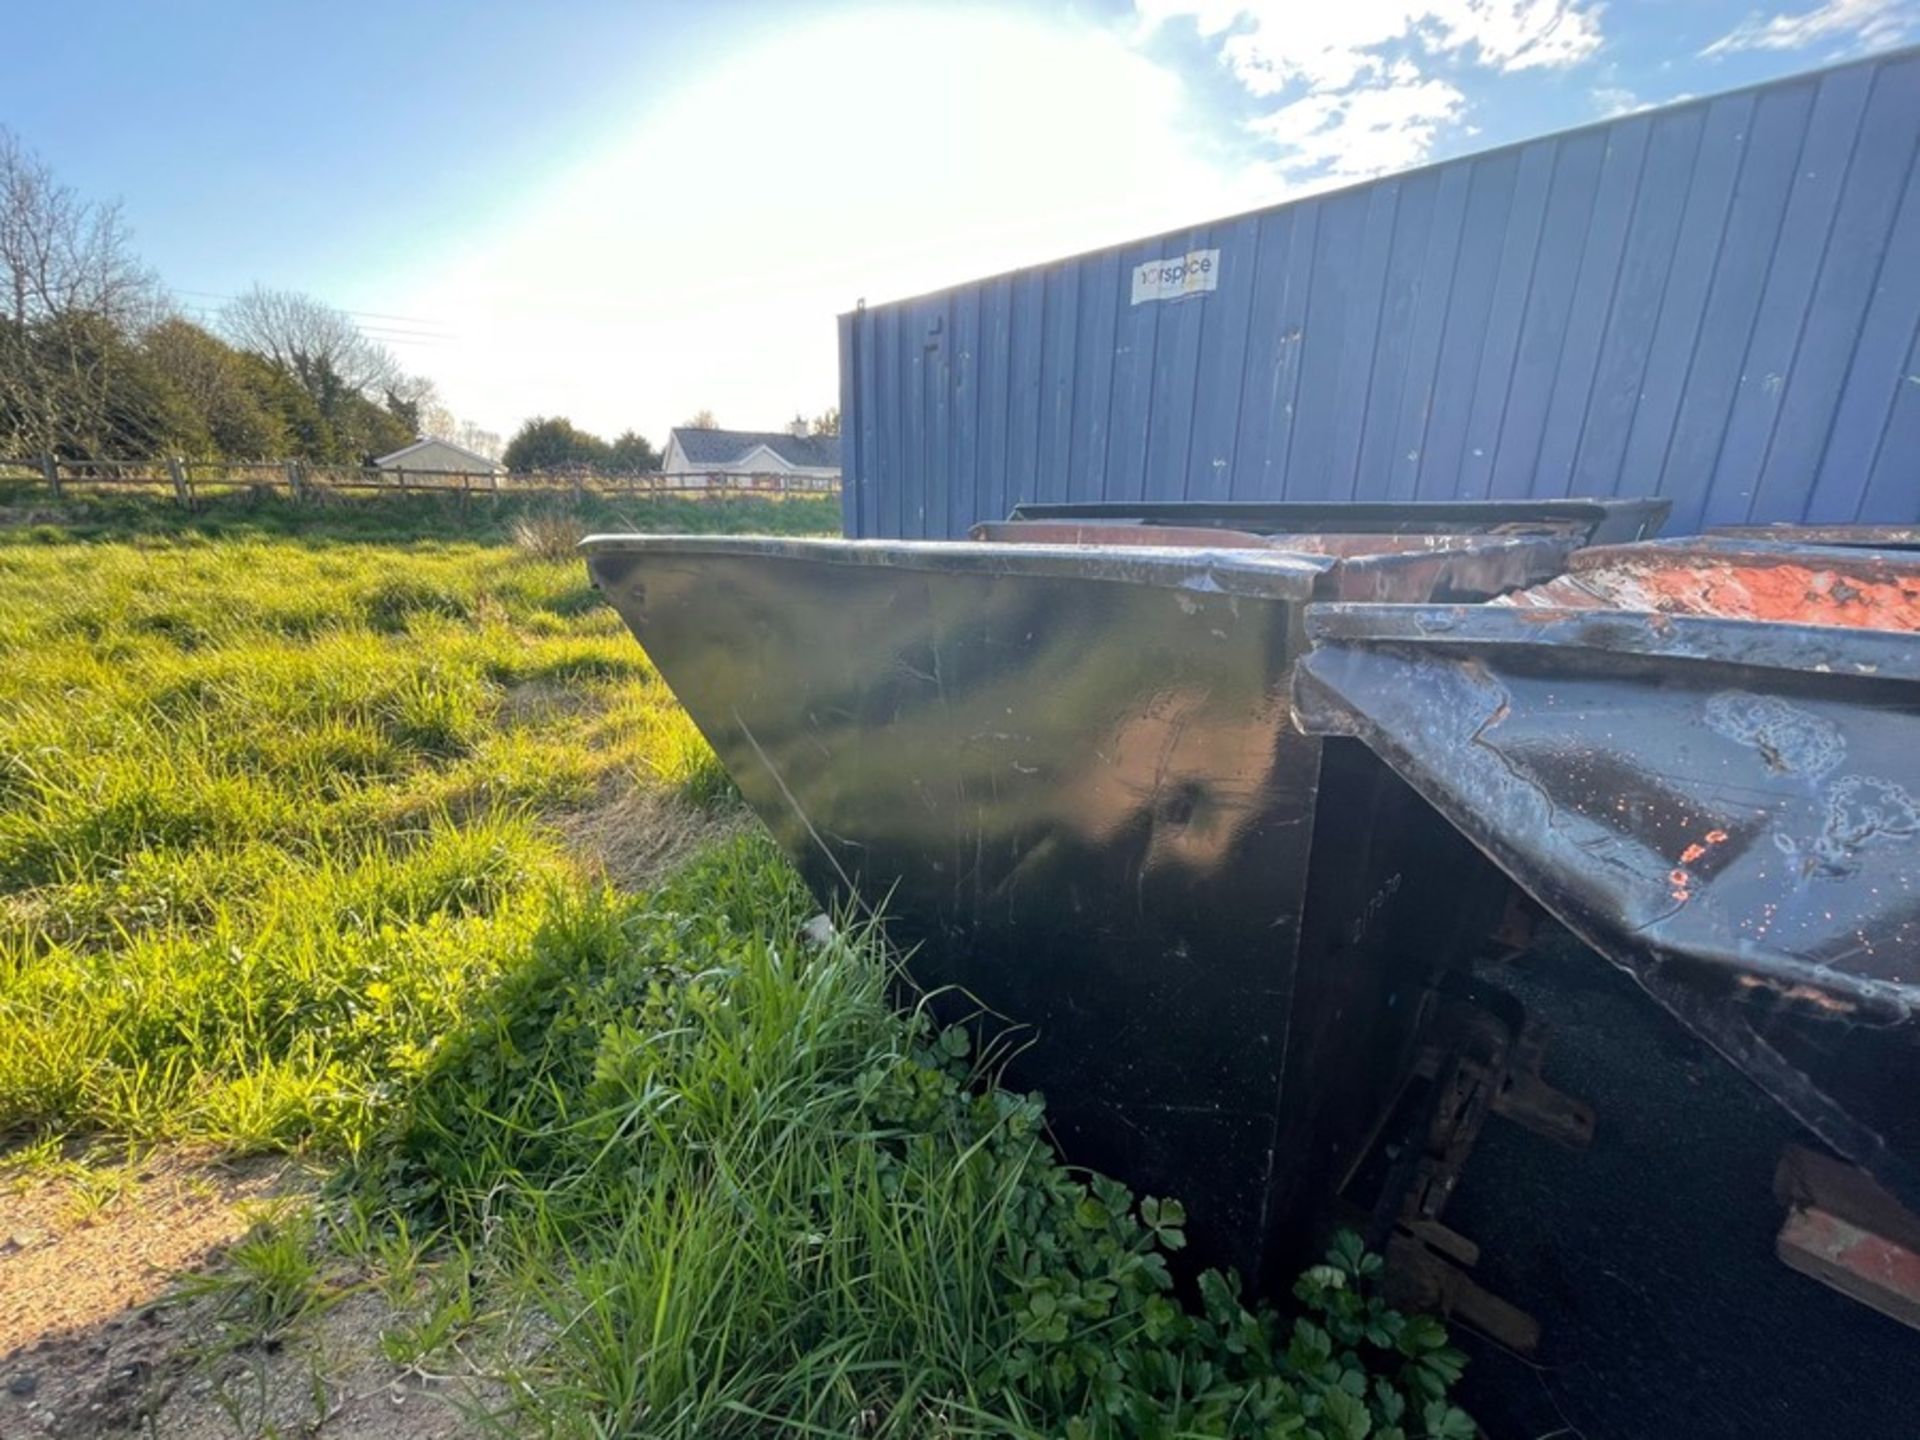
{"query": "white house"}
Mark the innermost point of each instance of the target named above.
(439, 455)
(696, 454)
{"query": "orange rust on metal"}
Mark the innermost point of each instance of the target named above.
(1858, 1263)
(1843, 1230)
(1700, 847)
(1863, 591)
(1812, 1179)
(1794, 592)
(1801, 994)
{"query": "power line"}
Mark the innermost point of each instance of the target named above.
(386, 334)
(358, 314)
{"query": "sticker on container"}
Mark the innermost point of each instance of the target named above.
(1177, 277)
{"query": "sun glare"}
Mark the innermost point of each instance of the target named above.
(698, 258)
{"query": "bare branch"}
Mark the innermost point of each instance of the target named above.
(320, 346)
(59, 254)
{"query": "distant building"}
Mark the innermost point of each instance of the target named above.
(439, 455)
(698, 454)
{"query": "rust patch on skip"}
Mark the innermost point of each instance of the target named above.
(1873, 593)
(1797, 593)
(1795, 993)
(1740, 590)
(1680, 877)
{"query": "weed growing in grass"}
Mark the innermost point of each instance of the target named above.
(446, 1310)
(551, 534)
(272, 1277)
(749, 1197)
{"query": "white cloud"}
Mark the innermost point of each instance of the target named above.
(1520, 34)
(1368, 130)
(1272, 44)
(1357, 101)
(1861, 24)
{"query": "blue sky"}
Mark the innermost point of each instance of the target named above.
(625, 212)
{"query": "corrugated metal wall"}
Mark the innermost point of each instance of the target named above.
(1718, 302)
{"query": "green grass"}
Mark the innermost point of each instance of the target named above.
(744, 1196)
(284, 866)
(270, 812)
(110, 514)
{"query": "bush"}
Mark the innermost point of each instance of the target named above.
(548, 534)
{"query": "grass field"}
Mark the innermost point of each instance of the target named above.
(369, 833)
(268, 813)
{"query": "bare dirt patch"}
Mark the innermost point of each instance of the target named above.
(87, 1255)
(98, 1338)
(78, 1247)
(328, 1378)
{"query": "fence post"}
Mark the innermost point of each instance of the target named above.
(178, 473)
(50, 471)
(293, 478)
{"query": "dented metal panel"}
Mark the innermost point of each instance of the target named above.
(1729, 808)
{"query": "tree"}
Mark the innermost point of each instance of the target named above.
(94, 363)
(469, 436)
(700, 420)
(309, 437)
(416, 401)
(233, 415)
(73, 296)
(364, 430)
(61, 255)
(553, 444)
(368, 406)
(95, 395)
(318, 345)
(632, 454)
(416, 398)
(406, 414)
(827, 422)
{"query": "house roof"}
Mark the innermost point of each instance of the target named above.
(722, 448)
(405, 450)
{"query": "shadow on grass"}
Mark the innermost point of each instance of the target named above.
(499, 1105)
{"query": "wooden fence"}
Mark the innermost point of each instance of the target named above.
(187, 479)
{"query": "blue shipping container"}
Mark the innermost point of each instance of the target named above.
(1718, 302)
